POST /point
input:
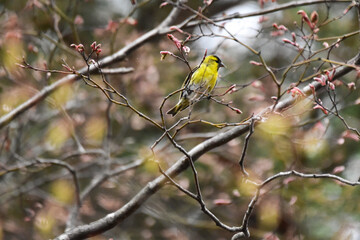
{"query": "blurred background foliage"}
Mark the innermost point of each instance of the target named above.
(35, 200)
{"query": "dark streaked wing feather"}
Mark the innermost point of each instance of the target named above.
(187, 80)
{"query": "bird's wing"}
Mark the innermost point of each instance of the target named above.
(188, 77)
(187, 81)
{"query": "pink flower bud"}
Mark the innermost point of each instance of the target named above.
(348, 8)
(338, 169)
(277, 33)
(295, 91)
(317, 106)
(262, 2)
(175, 40)
(238, 111)
(282, 27)
(350, 135)
(255, 63)
(186, 49)
(295, 44)
(163, 4)
(306, 19)
(330, 74)
(321, 80)
(80, 48)
(351, 86)
(302, 13)
(257, 84)
(341, 141)
(231, 89)
(312, 89)
(112, 26)
(67, 67)
(285, 40)
(314, 17)
(222, 201)
(288, 180)
(177, 29)
(129, 20)
(78, 20)
(20, 65)
(93, 46)
(164, 54)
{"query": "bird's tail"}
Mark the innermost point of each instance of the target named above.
(181, 105)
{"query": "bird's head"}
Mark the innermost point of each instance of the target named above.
(213, 59)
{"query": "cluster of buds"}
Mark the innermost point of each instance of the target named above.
(175, 40)
(320, 106)
(164, 54)
(172, 28)
(178, 43)
(280, 30)
(96, 48)
(79, 47)
(177, 29)
(293, 41)
(336, 44)
(231, 89)
(312, 21)
(295, 91)
(326, 80)
(347, 134)
(68, 68)
(312, 89)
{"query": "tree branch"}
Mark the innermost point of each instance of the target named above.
(116, 57)
(114, 218)
(161, 29)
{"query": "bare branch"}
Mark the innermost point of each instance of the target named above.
(116, 57)
(112, 219)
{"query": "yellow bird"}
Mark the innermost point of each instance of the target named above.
(200, 82)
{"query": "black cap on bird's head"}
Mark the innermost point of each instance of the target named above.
(218, 60)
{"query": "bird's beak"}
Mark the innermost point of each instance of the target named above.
(222, 65)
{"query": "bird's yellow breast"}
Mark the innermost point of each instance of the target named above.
(205, 76)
